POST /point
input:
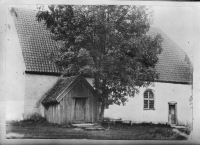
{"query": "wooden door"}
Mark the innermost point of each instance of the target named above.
(172, 114)
(79, 110)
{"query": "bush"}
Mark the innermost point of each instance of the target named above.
(180, 137)
(36, 117)
(13, 122)
(163, 125)
(158, 131)
(152, 124)
(105, 121)
(185, 130)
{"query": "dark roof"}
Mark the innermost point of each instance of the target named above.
(58, 88)
(173, 65)
(35, 41)
(36, 44)
(64, 84)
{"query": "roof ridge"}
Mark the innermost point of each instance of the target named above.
(61, 81)
(72, 81)
(61, 86)
(63, 77)
(20, 8)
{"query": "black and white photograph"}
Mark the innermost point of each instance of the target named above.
(118, 71)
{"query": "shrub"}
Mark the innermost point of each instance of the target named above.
(153, 124)
(105, 121)
(158, 131)
(36, 117)
(13, 122)
(185, 130)
(163, 125)
(180, 137)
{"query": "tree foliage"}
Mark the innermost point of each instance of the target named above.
(108, 42)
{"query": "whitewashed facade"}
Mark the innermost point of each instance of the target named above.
(26, 82)
(164, 94)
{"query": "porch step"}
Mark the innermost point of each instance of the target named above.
(89, 127)
(82, 124)
(174, 126)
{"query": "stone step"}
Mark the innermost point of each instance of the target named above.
(82, 124)
(89, 127)
(178, 126)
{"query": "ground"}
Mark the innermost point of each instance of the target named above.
(43, 130)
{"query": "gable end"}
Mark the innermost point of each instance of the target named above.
(79, 79)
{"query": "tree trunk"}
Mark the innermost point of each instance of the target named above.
(101, 115)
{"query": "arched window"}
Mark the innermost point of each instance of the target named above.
(149, 100)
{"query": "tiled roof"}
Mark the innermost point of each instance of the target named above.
(172, 65)
(64, 84)
(35, 41)
(36, 44)
(58, 88)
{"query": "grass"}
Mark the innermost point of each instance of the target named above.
(43, 130)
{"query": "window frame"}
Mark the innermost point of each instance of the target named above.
(148, 99)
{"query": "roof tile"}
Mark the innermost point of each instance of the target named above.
(36, 44)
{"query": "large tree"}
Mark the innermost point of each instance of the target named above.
(109, 43)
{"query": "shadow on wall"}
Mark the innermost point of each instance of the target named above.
(34, 116)
(38, 110)
(14, 110)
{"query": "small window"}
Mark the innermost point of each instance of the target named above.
(149, 100)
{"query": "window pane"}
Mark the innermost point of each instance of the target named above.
(146, 94)
(146, 104)
(151, 104)
(151, 94)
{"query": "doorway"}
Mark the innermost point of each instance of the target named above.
(172, 116)
(80, 108)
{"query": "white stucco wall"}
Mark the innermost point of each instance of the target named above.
(3, 29)
(164, 93)
(35, 87)
(15, 67)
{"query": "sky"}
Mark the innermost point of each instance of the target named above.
(177, 23)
